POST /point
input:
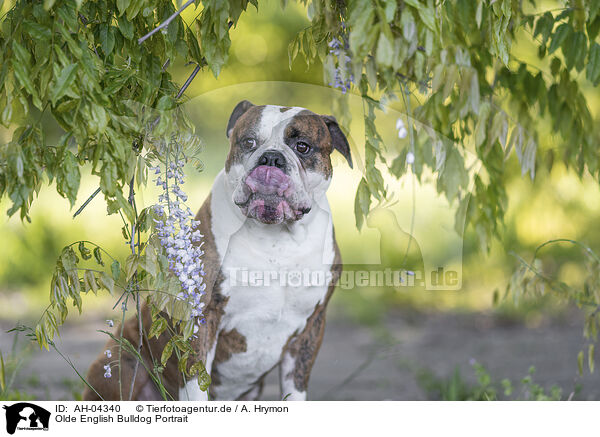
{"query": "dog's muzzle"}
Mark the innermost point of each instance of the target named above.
(268, 192)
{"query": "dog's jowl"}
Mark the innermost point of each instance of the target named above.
(271, 264)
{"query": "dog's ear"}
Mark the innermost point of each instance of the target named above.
(338, 139)
(238, 111)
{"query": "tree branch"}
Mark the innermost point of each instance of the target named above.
(188, 81)
(166, 22)
(94, 194)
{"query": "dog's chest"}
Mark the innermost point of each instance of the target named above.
(272, 282)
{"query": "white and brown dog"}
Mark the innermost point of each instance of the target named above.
(268, 239)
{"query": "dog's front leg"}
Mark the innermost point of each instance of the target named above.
(299, 356)
(205, 345)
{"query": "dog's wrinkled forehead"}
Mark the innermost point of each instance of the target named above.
(270, 122)
(282, 127)
(274, 119)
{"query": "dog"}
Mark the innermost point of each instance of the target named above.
(268, 219)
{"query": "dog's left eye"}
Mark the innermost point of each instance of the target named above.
(249, 143)
(302, 147)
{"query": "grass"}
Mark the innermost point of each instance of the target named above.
(456, 388)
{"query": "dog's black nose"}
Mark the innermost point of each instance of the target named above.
(272, 159)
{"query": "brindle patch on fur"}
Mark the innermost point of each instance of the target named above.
(228, 343)
(310, 127)
(244, 127)
(304, 347)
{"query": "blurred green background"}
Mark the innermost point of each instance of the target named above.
(556, 204)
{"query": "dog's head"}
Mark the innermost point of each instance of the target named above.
(279, 162)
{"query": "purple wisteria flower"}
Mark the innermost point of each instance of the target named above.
(339, 49)
(180, 238)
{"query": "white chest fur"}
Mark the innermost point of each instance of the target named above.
(274, 276)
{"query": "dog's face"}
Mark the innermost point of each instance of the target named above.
(279, 160)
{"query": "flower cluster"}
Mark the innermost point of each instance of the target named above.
(402, 133)
(341, 79)
(179, 236)
(107, 371)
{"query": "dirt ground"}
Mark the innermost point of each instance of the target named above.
(356, 364)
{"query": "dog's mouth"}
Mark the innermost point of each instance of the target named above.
(267, 194)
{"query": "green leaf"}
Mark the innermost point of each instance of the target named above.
(131, 265)
(427, 14)
(99, 119)
(438, 77)
(407, 23)
(68, 178)
(125, 27)
(390, 10)
(167, 351)
(559, 36)
(115, 269)
(108, 176)
(188, 329)
(385, 50)
(580, 362)
(481, 126)
(593, 67)
(84, 251)
(474, 92)
(362, 202)
(89, 279)
(479, 14)
(454, 175)
(21, 65)
(107, 282)
(122, 5)
(499, 129)
(575, 50)
(158, 327)
(528, 158)
(150, 261)
(98, 255)
(37, 31)
(194, 48)
(69, 259)
(414, 3)
(544, 27)
(555, 66)
(591, 358)
(452, 75)
(63, 82)
(21, 54)
(203, 376)
(107, 39)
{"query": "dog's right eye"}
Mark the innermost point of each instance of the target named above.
(249, 143)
